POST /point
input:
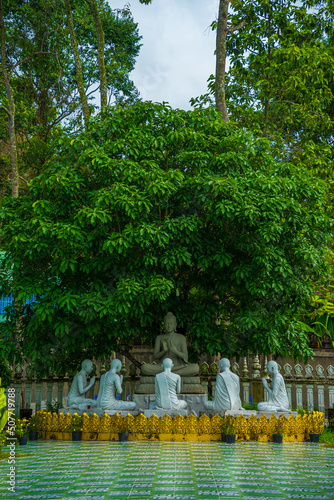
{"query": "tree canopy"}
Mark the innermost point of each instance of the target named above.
(154, 209)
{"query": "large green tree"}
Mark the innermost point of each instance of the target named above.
(155, 209)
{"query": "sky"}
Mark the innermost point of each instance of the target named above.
(177, 55)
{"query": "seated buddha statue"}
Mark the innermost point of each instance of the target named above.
(171, 345)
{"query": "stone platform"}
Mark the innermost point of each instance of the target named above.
(277, 414)
(195, 406)
(189, 385)
(223, 413)
(195, 402)
(99, 412)
(161, 413)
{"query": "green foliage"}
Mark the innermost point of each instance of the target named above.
(327, 437)
(76, 423)
(280, 78)
(44, 85)
(320, 316)
(54, 407)
(149, 202)
(248, 406)
(21, 427)
(6, 372)
(33, 423)
(3, 411)
(228, 425)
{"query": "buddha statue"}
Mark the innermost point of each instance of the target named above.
(171, 345)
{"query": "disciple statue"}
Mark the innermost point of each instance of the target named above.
(76, 397)
(171, 345)
(110, 384)
(278, 398)
(227, 391)
(167, 387)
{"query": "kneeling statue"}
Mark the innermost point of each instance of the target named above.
(278, 398)
(171, 345)
(110, 384)
(167, 387)
(227, 391)
(76, 397)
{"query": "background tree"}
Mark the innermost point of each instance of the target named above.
(279, 82)
(45, 88)
(153, 209)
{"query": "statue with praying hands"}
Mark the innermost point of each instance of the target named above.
(171, 345)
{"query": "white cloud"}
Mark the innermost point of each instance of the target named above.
(177, 55)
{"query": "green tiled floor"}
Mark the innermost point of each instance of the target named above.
(163, 471)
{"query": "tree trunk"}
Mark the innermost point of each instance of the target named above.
(100, 51)
(10, 110)
(78, 67)
(222, 31)
(266, 104)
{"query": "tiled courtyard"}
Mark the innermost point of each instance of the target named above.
(161, 471)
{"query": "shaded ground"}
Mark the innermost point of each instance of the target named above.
(163, 471)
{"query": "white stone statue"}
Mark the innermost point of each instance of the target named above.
(227, 391)
(278, 398)
(110, 384)
(171, 345)
(76, 397)
(167, 387)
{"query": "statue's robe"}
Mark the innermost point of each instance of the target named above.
(166, 392)
(108, 401)
(77, 400)
(227, 392)
(278, 398)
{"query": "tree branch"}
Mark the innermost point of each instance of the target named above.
(29, 57)
(5, 109)
(127, 354)
(235, 28)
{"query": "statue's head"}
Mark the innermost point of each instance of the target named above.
(87, 365)
(170, 322)
(116, 365)
(224, 363)
(272, 367)
(167, 363)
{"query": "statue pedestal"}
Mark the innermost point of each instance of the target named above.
(161, 413)
(277, 414)
(237, 413)
(224, 413)
(195, 403)
(189, 385)
(99, 412)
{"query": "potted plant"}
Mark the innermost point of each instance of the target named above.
(278, 434)
(3, 439)
(21, 430)
(314, 438)
(33, 428)
(228, 431)
(124, 434)
(76, 427)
